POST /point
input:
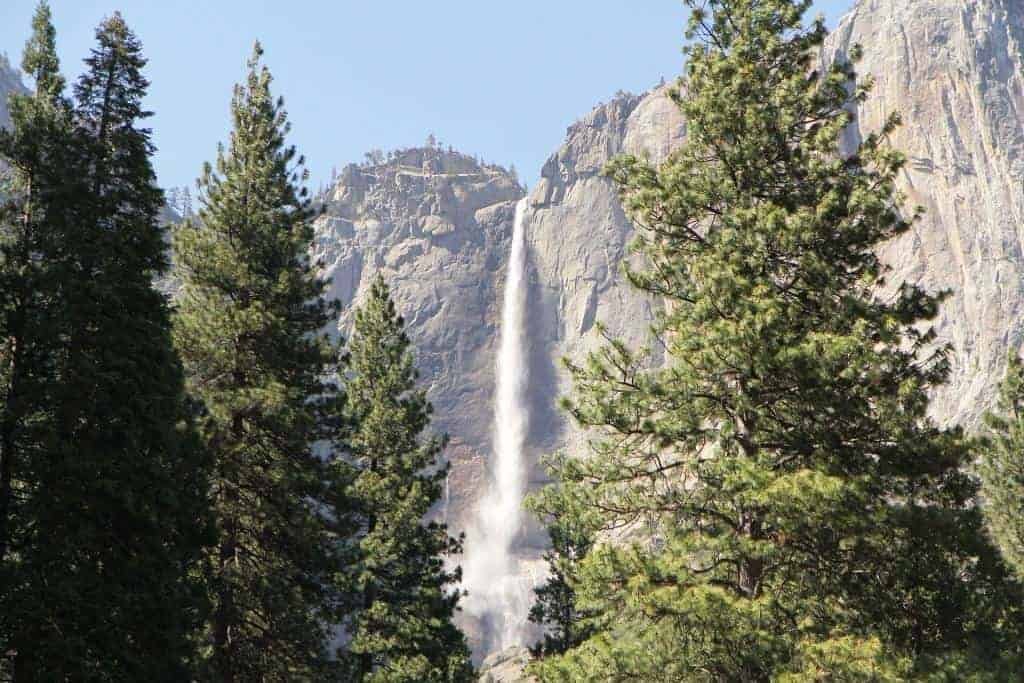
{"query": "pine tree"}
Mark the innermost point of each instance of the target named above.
(401, 629)
(32, 151)
(31, 148)
(556, 608)
(781, 506)
(115, 510)
(1002, 468)
(249, 330)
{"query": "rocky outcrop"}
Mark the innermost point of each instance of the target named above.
(437, 225)
(507, 666)
(954, 70)
(578, 240)
(10, 83)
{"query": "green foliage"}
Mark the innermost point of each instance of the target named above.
(400, 628)
(28, 309)
(108, 481)
(1002, 468)
(780, 503)
(249, 331)
(555, 608)
(39, 58)
(38, 139)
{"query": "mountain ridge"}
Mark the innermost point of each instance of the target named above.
(436, 223)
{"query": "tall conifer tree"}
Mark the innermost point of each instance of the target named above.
(32, 161)
(249, 330)
(115, 507)
(1002, 468)
(400, 628)
(32, 149)
(783, 508)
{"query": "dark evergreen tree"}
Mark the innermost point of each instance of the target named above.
(32, 150)
(249, 330)
(31, 164)
(1002, 468)
(401, 627)
(556, 608)
(777, 503)
(114, 511)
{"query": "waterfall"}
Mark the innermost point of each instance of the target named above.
(500, 594)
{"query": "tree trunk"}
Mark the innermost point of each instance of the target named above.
(222, 636)
(369, 596)
(751, 569)
(224, 616)
(8, 428)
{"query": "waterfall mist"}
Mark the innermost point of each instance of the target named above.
(500, 593)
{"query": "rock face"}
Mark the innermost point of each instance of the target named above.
(507, 666)
(437, 225)
(578, 239)
(954, 69)
(10, 83)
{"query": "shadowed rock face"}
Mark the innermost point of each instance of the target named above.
(437, 225)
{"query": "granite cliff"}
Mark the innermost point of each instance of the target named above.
(436, 224)
(954, 70)
(578, 239)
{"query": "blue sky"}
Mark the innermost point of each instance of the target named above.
(501, 80)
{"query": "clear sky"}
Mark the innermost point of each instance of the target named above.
(501, 80)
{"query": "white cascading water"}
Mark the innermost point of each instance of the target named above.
(499, 595)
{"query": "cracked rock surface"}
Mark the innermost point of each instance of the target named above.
(437, 225)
